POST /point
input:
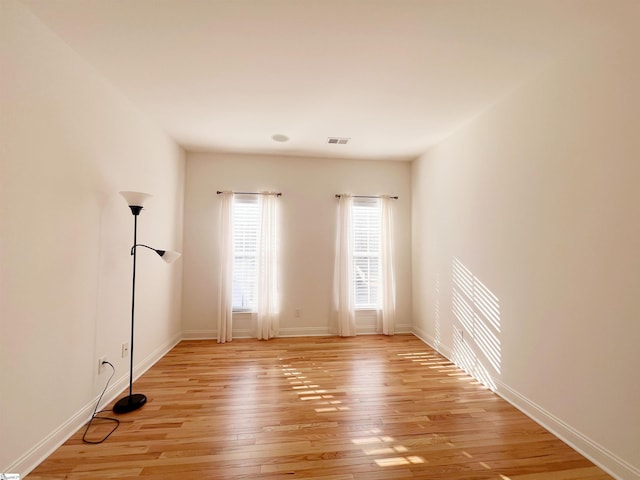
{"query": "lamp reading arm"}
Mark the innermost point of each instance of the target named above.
(168, 256)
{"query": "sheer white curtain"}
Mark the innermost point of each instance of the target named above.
(268, 315)
(387, 308)
(225, 279)
(344, 320)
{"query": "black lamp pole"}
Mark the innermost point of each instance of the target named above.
(132, 401)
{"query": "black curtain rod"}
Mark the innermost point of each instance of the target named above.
(367, 196)
(278, 194)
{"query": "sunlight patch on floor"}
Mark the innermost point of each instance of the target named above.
(398, 461)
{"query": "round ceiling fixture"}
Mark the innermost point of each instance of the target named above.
(278, 137)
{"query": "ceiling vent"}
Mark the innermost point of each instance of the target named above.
(338, 140)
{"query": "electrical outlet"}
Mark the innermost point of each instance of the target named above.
(297, 313)
(100, 365)
(125, 350)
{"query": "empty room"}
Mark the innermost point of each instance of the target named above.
(324, 239)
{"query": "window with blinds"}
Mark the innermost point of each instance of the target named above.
(366, 251)
(245, 249)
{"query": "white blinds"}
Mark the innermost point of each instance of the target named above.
(366, 252)
(245, 242)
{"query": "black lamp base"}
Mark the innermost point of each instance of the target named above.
(129, 403)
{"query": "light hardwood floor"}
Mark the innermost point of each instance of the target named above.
(369, 407)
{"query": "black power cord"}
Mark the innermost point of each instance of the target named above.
(96, 413)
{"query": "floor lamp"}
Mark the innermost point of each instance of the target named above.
(135, 200)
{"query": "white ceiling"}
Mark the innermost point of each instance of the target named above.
(394, 76)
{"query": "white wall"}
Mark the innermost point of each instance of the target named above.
(69, 143)
(539, 199)
(308, 227)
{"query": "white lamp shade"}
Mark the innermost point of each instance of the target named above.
(135, 199)
(170, 256)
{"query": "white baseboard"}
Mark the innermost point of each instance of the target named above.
(403, 329)
(304, 332)
(595, 452)
(199, 335)
(212, 334)
(429, 340)
(603, 458)
(289, 332)
(32, 458)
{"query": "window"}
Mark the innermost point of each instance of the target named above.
(366, 252)
(245, 249)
